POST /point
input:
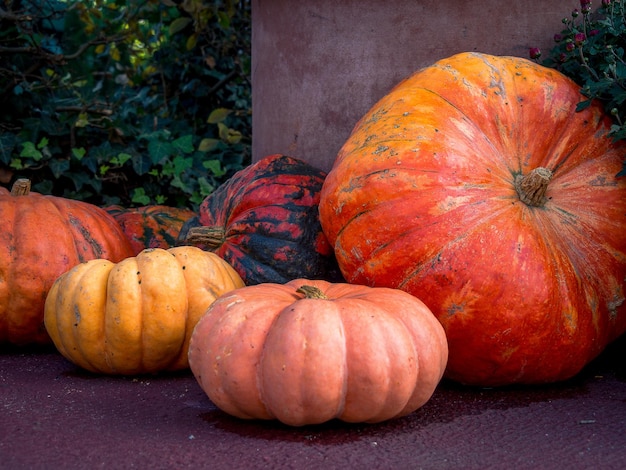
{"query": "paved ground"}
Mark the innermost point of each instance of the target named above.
(54, 416)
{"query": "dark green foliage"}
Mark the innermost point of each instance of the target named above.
(590, 50)
(125, 102)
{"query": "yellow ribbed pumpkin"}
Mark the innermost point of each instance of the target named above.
(135, 316)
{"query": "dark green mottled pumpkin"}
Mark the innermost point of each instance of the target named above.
(264, 221)
(154, 226)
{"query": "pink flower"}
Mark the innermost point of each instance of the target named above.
(585, 6)
(606, 3)
(558, 37)
(594, 32)
(569, 47)
(534, 52)
(579, 38)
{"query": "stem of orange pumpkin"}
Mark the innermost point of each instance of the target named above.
(311, 292)
(532, 187)
(21, 187)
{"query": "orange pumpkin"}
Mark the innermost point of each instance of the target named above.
(41, 237)
(476, 184)
(135, 316)
(154, 226)
(308, 351)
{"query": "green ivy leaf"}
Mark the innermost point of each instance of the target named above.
(177, 182)
(121, 158)
(181, 164)
(159, 150)
(215, 167)
(139, 196)
(206, 188)
(224, 19)
(79, 153)
(177, 166)
(228, 135)
(218, 115)
(142, 164)
(90, 162)
(30, 151)
(59, 167)
(8, 141)
(82, 121)
(206, 145)
(16, 164)
(179, 24)
(82, 179)
(191, 42)
(184, 144)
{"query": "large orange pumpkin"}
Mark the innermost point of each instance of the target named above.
(476, 185)
(41, 237)
(306, 352)
(135, 316)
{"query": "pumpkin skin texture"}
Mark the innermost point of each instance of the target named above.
(355, 353)
(476, 184)
(264, 221)
(135, 316)
(155, 226)
(41, 237)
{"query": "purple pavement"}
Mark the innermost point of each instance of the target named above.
(55, 416)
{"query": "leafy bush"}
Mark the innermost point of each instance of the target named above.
(125, 102)
(590, 50)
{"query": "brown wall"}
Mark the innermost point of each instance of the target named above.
(319, 65)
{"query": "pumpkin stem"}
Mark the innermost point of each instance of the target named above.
(311, 292)
(212, 237)
(21, 187)
(532, 187)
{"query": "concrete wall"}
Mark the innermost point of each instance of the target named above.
(319, 65)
